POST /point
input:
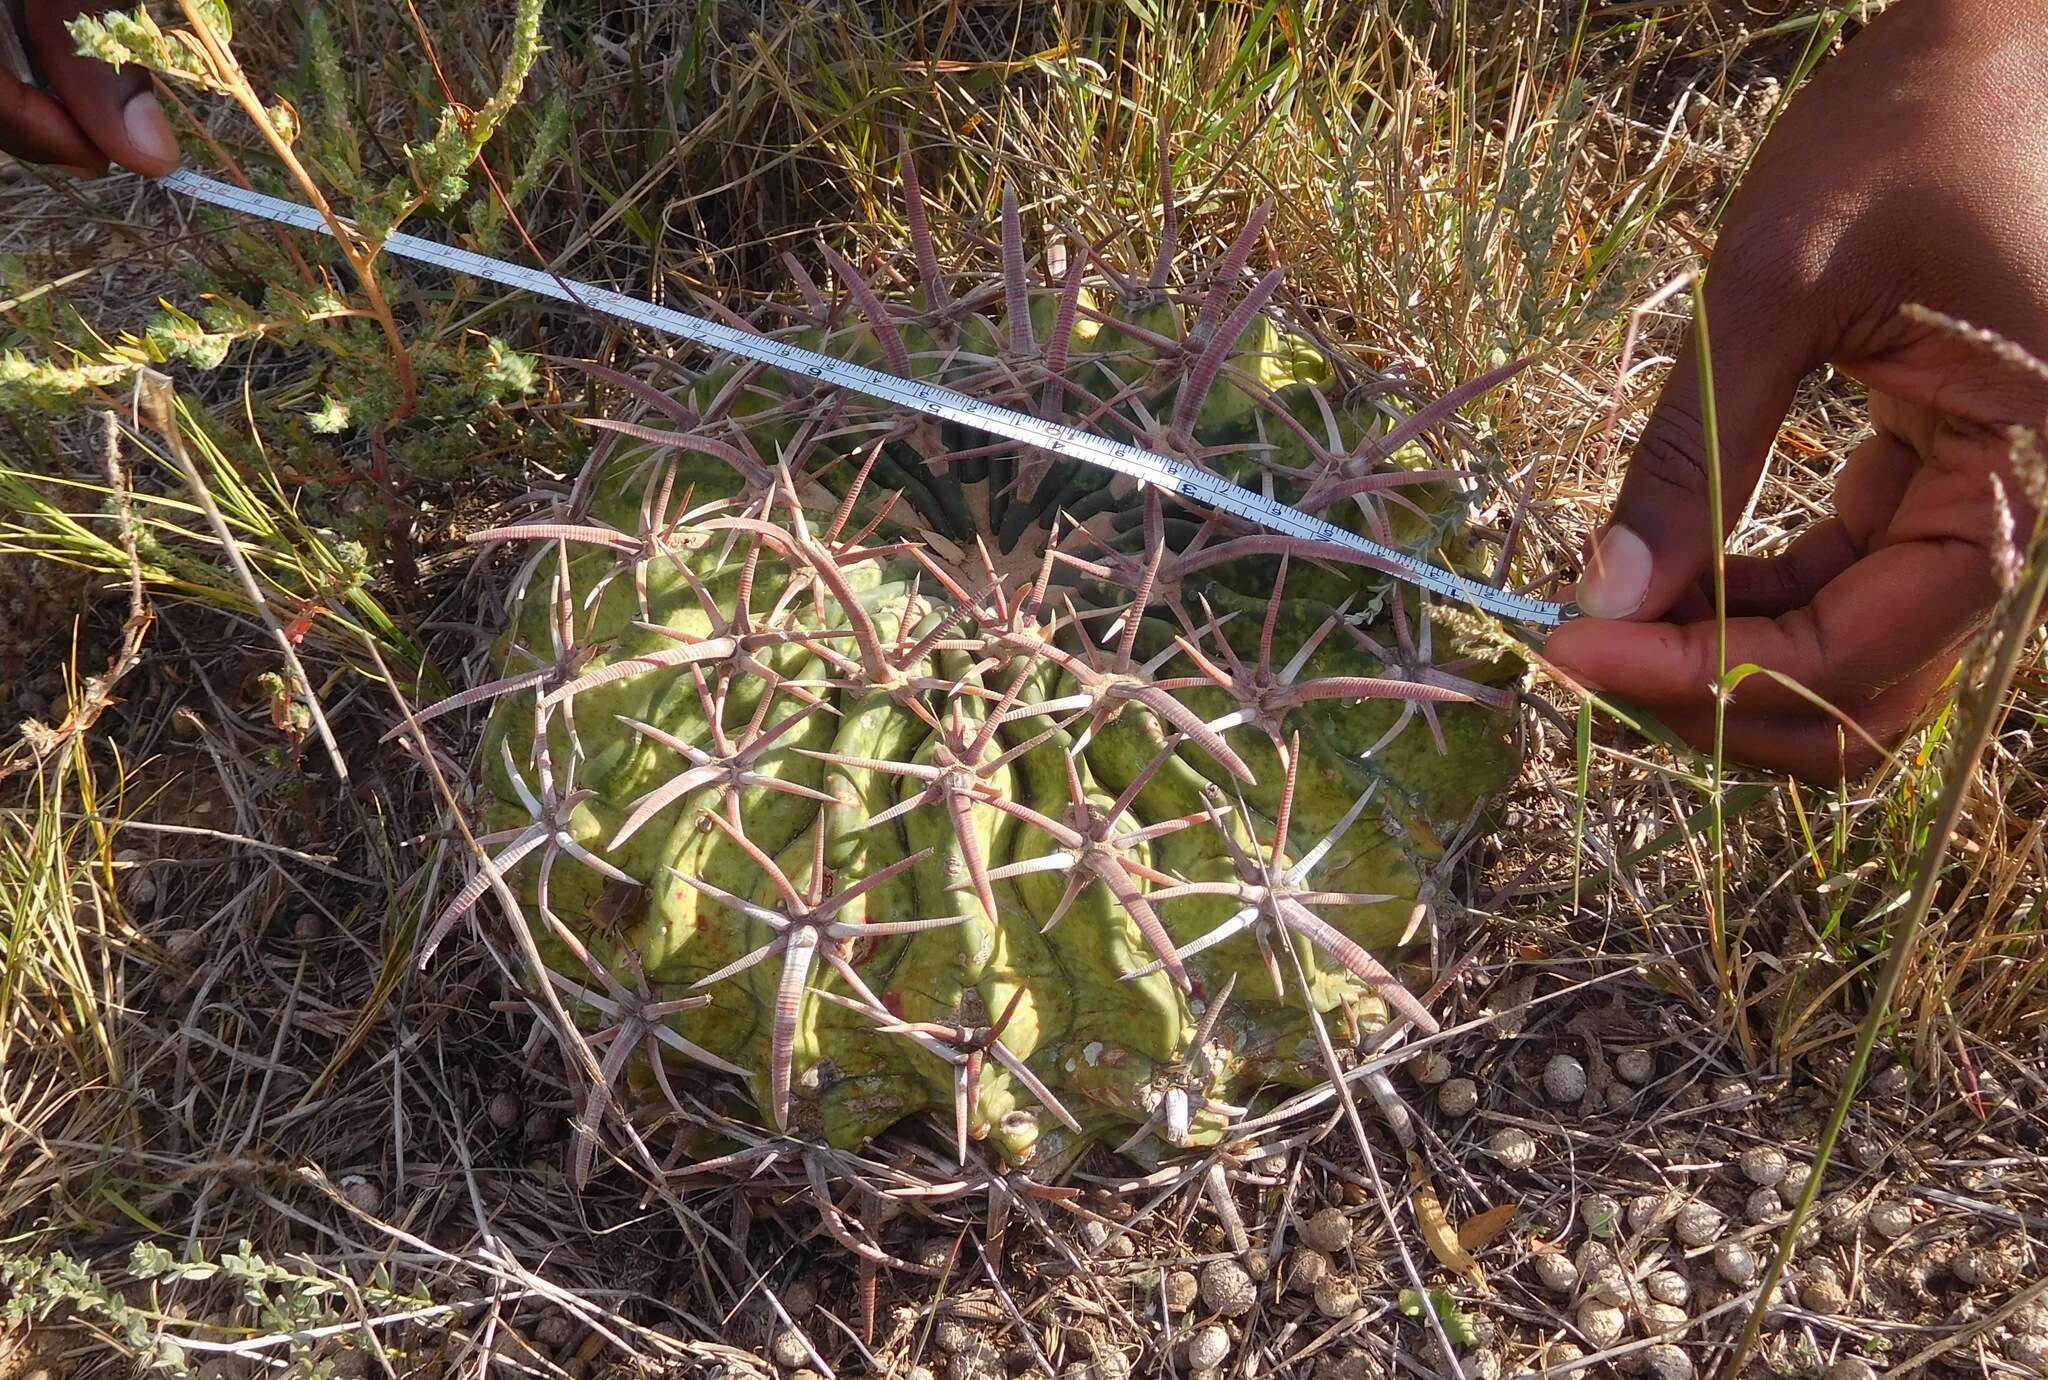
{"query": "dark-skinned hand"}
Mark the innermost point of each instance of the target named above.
(1913, 169)
(85, 114)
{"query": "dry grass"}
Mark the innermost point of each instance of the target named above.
(211, 1029)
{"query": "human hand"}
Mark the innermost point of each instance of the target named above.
(1913, 169)
(85, 113)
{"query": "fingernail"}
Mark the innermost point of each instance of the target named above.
(1617, 577)
(148, 131)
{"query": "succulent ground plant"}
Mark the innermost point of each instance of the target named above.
(903, 773)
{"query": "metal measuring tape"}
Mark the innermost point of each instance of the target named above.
(1174, 476)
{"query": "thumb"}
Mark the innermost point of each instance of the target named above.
(1663, 533)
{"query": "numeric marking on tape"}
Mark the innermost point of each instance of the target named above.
(933, 400)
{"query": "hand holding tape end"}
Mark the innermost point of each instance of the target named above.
(70, 111)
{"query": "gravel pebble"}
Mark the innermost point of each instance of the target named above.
(1601, 1324)
(1969, 1266)
(1852, 1368)
(1179, 1289)
(1513, 1147)
(2028, 1349)
(1645, 1211)
(1227, 1291)
(1763, 1165)
(1841, 1218)
(1336, 1296)
(1793, 1184)
(362, 1194)
(1306, 1268)
(1891, 1220)
(1555, 1271)
(1822, 1293)
(1661, 1317)
(1430, 1067)
(1668, 1286)
(1667, 1361)
(1564, 1079)
(788, 1349)
(1459, 1097)
(1635, 1066)
(1602, 1214)
(1735, 1262)
(1762, 1205)
(1207, 1346)
(1328, 1230)
(1610, 1285)
(1697, 1223)
(1593, 1257)
(503, 1111)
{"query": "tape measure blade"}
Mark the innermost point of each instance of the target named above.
(934, 400)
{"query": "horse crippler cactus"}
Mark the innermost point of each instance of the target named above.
(898, 772)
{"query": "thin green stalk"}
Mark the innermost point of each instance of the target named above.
(1710, 430)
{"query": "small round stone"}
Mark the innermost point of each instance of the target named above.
(1668, 1286)
(1430, 1067)
(1661, 1317)
(1868, 1151)
(952, 1337)
(1852, 1368)
(554, 1330)
(2029, 1349)
(1970, 1266)
(799, 1297)
(1336, 1296)
(503, 1110)
(1891, 1220)
(1635, 1066)
(1822, 1293)
(1306, 1268)
(1458, 1097)
(1482, 1364)
(1763, 1165)
(1563, 1354)
(1841, 1218)
(1593, 1257)
(1697, 1223)
(362, 1194)
(1205, 1375)
(1601, 1324)
(1555, 1271)
(1513, 1147)
(1609, 1285)
(1602, 1214)
(788, 1349)
(1667, 1361)
(1893, 1083)
(1645, 1211)
(1095, 1235)
(1564, 1079)
(1735, 1262)
(1227, 1291)
(1762, 1205)
(1793, 1185)
(1328, 1230)
(1207, 1346)
(1179, 1289)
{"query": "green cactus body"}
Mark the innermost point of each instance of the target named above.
(971, 735)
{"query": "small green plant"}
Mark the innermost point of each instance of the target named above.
(286, 1314)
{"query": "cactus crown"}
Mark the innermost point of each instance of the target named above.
(894, 770)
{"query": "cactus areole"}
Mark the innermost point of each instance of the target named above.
(900, 773)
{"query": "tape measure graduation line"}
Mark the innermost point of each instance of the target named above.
(1174, 476)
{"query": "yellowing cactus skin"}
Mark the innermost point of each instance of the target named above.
(938, 769)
